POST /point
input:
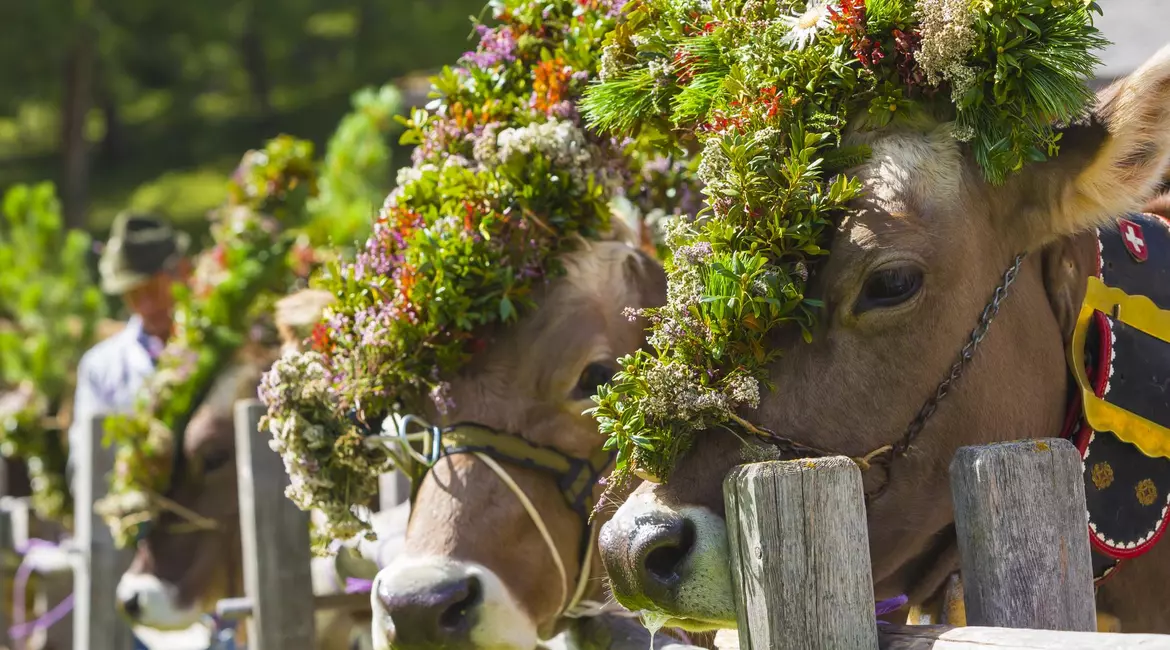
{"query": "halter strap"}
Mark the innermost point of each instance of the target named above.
(575, 478)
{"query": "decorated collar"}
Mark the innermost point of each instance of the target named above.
(1119, 415)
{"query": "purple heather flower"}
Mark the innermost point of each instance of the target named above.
(496, 46)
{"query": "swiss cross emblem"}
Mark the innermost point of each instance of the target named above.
(1135, 241)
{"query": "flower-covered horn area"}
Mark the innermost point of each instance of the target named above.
(503, 225)
(771, 90)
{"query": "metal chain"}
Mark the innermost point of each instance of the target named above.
(793, 448)
(965, 355)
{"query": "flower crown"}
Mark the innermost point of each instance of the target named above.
(234, 284)
(504, 180)
(769, 87)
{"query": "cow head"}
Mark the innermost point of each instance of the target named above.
(913, 264)
(191, 557)
(475, 570)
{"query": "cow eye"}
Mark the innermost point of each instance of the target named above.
(216, 460)
(594, 375)
(889, 287)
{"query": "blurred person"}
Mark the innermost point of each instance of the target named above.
(142, 261)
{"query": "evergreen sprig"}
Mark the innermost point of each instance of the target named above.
(770, 89)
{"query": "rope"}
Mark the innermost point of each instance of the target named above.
(536, 519)
(20, 629)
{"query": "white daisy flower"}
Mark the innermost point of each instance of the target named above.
(803, 27)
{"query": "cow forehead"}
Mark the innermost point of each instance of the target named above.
(911, 170)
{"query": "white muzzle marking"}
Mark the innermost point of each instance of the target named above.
(705, 598)
(157, 602)
(500, 623)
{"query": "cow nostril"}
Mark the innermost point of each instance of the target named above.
(663, 562)
(454, 617)
(132, 607)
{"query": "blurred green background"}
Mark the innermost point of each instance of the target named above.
(150, 103)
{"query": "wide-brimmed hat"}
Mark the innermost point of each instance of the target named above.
(140, 246)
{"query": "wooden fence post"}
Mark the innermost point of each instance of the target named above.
(799, 552)
(96, 622)
(393, 489)
(1023, 536)
(275, 536)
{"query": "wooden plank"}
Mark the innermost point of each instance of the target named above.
(939, 637)
(234, 609)
(1022, 527)
(800, 555)
(275, 536)
(97, 624)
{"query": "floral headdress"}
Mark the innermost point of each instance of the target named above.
(769, 88)
(504, 180)
(252, 261)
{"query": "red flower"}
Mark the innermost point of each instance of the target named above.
(320, 340)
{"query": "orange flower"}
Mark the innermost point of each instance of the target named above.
(550, 83)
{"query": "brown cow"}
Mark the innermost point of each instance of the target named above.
(930, 240)
(177, 576)
(475, 571)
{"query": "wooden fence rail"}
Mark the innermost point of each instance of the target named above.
(800, 561)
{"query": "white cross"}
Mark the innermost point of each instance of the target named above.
(1132, 237)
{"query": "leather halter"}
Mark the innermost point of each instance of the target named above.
(576, 478)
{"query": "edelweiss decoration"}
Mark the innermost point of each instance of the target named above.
(505, 179)
(235, 282)
(770, 88)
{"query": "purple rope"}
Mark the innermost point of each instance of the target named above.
(889, 606)
(358, 586)
(20, 629)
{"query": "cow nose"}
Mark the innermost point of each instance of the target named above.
(439, 615)
(132, 607)
(647, 560)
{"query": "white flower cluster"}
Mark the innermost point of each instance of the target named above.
(298, 395)
(948, 36)
(564, 145)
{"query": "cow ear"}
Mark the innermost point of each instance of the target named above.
(1106, 168)
(647, 276)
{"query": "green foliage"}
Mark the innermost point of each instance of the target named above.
(769, 89)
(49, 307)
(234, 282)
(355, 174)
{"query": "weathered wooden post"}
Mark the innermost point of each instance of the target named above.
(799, 553)
(97, 625)
(1022, 529)
(393, 489)
(275, 536)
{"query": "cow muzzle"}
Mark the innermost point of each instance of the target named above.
(149, 601)
(673, 562)
(439, 602)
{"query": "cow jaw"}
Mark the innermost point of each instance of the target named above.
(434, 601)
(155, 603)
